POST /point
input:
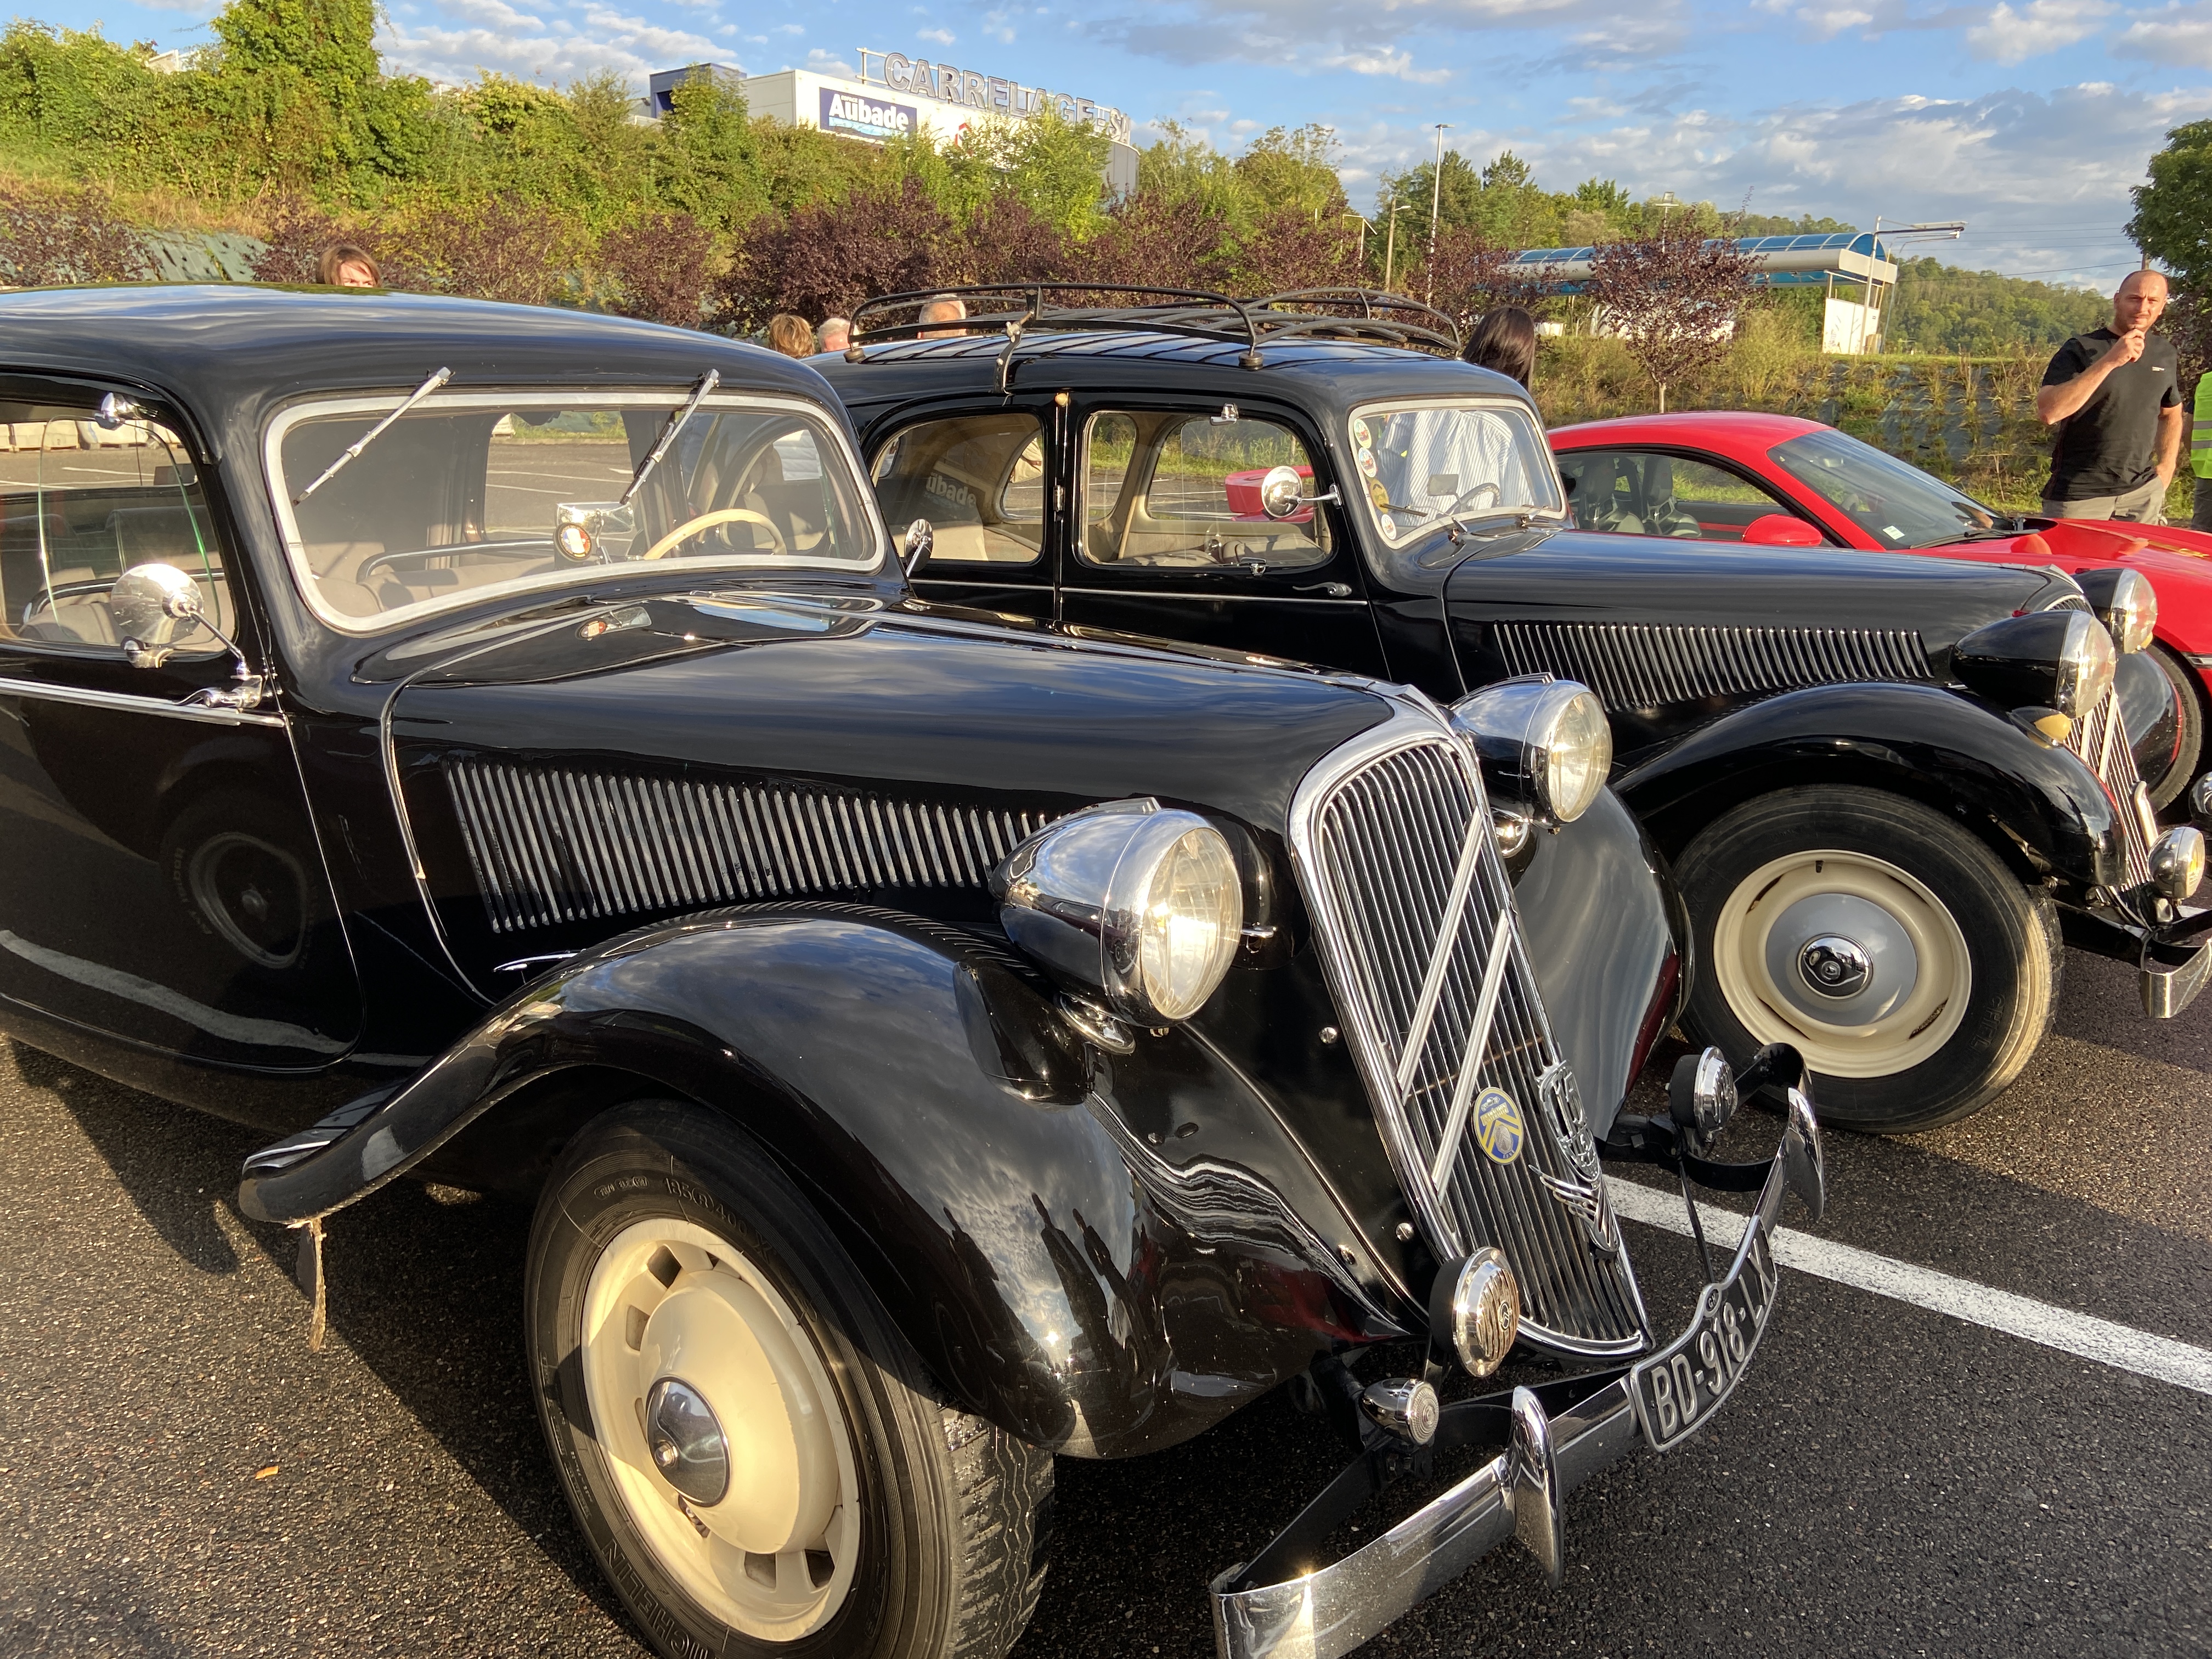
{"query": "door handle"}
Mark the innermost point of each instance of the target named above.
(1328, 590)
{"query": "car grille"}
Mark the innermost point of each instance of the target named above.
(1647, 665)
(2101, 740)
(555, 845)
(1379, 831)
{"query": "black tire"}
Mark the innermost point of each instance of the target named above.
(954, 1512)
(1966, 907)
(2189, 745)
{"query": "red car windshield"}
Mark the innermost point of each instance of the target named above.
(1898, 505)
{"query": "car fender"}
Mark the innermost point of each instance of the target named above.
(2035, 803)
(1087, 1281)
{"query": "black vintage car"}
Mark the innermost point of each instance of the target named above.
(1890, 785)
(501, 746)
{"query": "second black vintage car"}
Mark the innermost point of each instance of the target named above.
(1890, 786)
(501, 746)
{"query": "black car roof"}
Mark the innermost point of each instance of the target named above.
(1328, 374)
(222, 345)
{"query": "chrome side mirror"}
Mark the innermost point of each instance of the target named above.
(115, 410)
(1282, 493)
(921, 537)
(155, 606)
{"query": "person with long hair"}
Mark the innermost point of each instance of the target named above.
(1504, 340)
(793, 336)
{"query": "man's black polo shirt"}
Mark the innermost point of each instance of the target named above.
(2110, 444)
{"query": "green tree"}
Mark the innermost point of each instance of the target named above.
(2172, 220)
(706, 161)
(1292, 169)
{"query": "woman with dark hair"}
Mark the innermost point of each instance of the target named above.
(1505, 340)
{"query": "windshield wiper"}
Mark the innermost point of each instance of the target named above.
(708, 382)
(375, 432)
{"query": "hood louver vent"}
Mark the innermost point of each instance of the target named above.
(1648, 665)
(553, 845)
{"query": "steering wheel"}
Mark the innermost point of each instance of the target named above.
(708, 520)
(1467, 502)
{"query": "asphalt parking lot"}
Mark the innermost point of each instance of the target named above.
(178, 1475)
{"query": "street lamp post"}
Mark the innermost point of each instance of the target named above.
(1390, 243)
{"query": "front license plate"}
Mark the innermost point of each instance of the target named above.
(1677, 1388)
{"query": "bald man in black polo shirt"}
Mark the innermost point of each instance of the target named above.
(2115, 396)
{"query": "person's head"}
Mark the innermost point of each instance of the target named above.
(835, 335)
(345, 264)
(945, 308)
(2138, 304)
(793, 336)
(1505, 340)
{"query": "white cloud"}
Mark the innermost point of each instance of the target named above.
(2180, 35)
(494, 36)
(1398, 66)
(788, 28)
(828, 62)
(2041, 26)
(942, 37)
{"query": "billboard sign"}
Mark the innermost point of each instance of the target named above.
(859, 117)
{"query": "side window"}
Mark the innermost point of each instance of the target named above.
(1169, 490)
(1720, 502)
(978, 479)
(85, 496)
(1632, 493)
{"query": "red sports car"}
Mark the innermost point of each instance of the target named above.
(1735, 476)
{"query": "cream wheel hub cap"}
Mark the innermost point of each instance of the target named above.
(1846, 955)
(722, 1432)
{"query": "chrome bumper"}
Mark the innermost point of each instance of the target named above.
(1590, 1424)
(2171, 976)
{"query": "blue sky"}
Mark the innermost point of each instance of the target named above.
(2028, 118)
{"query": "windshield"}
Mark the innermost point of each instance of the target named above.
(1899, 505)
(468, 495)
(1422, 464)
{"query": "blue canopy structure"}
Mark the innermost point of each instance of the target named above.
(1853, 256)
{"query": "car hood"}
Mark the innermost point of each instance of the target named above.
(1583, 576)
(562, 781)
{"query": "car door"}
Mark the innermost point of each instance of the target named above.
(983, 477)
(1654, 492)
(1166, 535)
(159, 882)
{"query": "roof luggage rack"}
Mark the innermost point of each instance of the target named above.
(1017, 310)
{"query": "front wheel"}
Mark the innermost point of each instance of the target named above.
(2189, 735)
(1914, 972)
(753, 1452)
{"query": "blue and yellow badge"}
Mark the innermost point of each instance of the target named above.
(1497, 1126)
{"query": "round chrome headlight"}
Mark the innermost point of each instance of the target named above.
(1543, 738)
(1140, 905)
(2124, 602)
(2059, 660)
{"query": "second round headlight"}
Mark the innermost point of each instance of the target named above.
(1549, 738)
(1138, 905)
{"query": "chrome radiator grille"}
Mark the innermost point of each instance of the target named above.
(1382, 846)
(1638, 665)
(551, 845)
(2101, 740)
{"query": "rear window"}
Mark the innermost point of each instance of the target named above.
(465, 496)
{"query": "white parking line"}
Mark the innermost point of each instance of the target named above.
(2062, 1328)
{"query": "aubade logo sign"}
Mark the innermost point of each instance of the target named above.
(864, 118)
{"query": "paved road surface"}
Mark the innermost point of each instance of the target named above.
(1888, 1481)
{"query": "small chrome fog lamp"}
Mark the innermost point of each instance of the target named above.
(2124, 602)
(2177, 862)
(2200, 800)
(1131, 901)
(1406, 1406)
(1545, 739)
(1476, 1306)
(1701, 1096)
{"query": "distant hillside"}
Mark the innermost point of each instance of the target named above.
(1942, 310)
